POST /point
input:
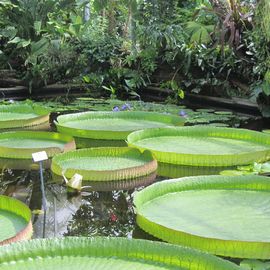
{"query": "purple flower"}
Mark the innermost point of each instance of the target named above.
(116, 109)
(182, 113)
(126, 107)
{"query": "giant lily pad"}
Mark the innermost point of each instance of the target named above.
(224, 215)
(15, 221)
(105, 163)
(106, 253)
(21, 144)
(24, 116)
(112, 126)
(203, 146)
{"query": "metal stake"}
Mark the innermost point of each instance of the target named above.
(42, 187)
(40, 157)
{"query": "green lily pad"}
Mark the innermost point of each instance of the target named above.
(105, 163)
(106, 253)
(112, 125)
(17, 116)
(15, 221)
(223, 112)
(203, 146)
(224, 215)
(21, 144)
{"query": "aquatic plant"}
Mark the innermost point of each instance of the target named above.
(21, 144)
(112, 166)
(113, 127)
(24, 116)
(15, 221)
(224, 215)
(103, 253)
(255, 168)
(203, 145)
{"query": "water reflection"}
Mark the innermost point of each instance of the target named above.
(89, 213)
(103, 213)
(88, 143)
(176, 171)
(81, 214)
(21, 164)
(112, 185)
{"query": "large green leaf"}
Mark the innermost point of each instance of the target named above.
(203, 146)
(199, 33)
(106, 253)
(23, 116)
(21, 144)
(15, 221)
(224, 215)
(105, 164)
(37, 49)
(112, 125)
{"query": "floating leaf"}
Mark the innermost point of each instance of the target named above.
(224, 215)
(21, 144)
(105, 164)
(23, 116)
(15, 221)
(106, 253)
(203, 145)
(112, 125)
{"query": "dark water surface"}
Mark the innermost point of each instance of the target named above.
(89, 213)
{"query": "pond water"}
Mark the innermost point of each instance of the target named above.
(92, 213)
(71, 214)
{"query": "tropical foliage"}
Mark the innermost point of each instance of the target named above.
(117, 47)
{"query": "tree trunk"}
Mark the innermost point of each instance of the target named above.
(87, 12)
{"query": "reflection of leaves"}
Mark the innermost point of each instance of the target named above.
(105, 213)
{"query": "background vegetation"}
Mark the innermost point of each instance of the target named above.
(117, 47)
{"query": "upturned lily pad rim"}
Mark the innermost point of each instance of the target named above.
(42, 116)
(169, 256)
(242, 249)
(62, 120)
(20, 209)
(23, 153)
(149, 166)
(204, 159)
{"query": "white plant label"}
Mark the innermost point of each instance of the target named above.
(39, 156)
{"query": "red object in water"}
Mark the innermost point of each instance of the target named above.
(113, 217)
